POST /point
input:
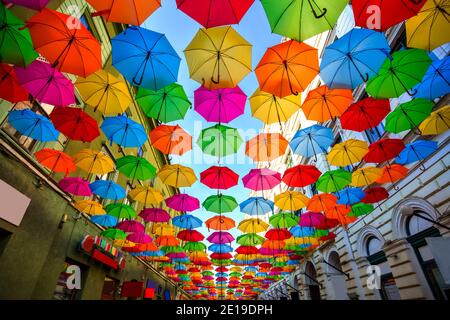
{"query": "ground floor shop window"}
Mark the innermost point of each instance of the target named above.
(64, 289)
(110, 288)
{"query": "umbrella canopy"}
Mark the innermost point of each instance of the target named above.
(69, 47)
(339, 213)
(167, 104)
(75, 124)
(187, 221)
(32, 125)
(301, 176)
(256, 206)
(322, 202)
(56, 161)
(104, 220)
(136, 168)
(311, 219)
(168, 241)
(392, 173)
(365, 114)
(220, 237)
(154, 215)
(32, 4)
(252, 225)
(291, 200)
(190, 235)
(222, 248)
(218, 57)
(16, 46)
(171, 139)
(124, 131)
(177, 176)
(139, 237)
(323, 104)
(10, 88)
(360, 52)
(220, 223)
(108, 190)
(104, 92)
(375, 194)
(399, 74)
(302, 19)
(162, 229)
(183, 202)
(131, 226)
(219, 140)
(93, 161)
(347, 153)
(435, 83)
(121, 211)
(75, 186)
(89, 207)
(220, 203)
(348, 196)
(438, 122)
(46, 84)
(278, 234)
(145, 58)
(217, 177)
(312, 140)
(299, 231)
(133, 12)
(283, 220)
(423, 30)
(278, 69)
(360, 209)
(334, 180)
(384, 150)
(146, 195)
(408, 115)
(266, 147)
(114, 234)
(416, 151)
(261, 179)
(220, 105)
(194, 246)
(365, 176)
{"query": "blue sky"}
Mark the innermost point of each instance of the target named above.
(180, 29)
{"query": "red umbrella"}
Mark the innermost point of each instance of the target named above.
(329, 236)
(375, 194)
(190, 235)
(75, 124)
(247, 250)
(221, 256)
(10, 88)
(221, 269)
(219, 178)
(301, 176)
(365, 114)
(327, 223)
(384, 150)
(278, 234)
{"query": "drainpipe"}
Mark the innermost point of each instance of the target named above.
(355, 270)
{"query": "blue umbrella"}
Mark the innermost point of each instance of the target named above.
(187, 221)
(352, 59)
(33, 125)
(124, 131)
(256, 206)
(435, 82)
(221, 248)
(105, 220)
(311, 141)
(145, 58)
(250, 268)
(107, 190)
(349, 196)
(221, 274)
(299, 231)
(416, 151)
(180, 260)
(157, 253)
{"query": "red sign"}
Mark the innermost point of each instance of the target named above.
(149, 293)
(132, 289)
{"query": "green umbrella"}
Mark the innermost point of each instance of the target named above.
(219, 140)
(302, 19)
(218, 262)
(280, 264)
(399, 74)
(171, 249)
(408, 115)
(220, 203)
(235, 274)
(334, 180)
(136, 168)
(292, 247)
(113, 234)
(16, 46)
(250, 239)
(283, 220)
(167, 104)
(194, 246)
(207, 273)
(320, 233)
(121, 211)
(361, 209)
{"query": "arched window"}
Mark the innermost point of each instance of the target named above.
(415, 224)
(373, 245)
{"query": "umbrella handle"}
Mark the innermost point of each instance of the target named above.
(316, 15)
(214, 81)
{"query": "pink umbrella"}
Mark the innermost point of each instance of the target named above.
(46, 84)
(261, 179)
(131, 226)
(76, 186)
(154, 215)
(220, 237)
(311, 219)
(221, 105)
(139, 237)
(176, 255)
(183, 202)
(208, 278)
(272, 252)
(32, 4)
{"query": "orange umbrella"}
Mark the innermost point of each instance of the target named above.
(287, 68)
(266, 147)
(323, 104)
(220, 223)
(171, 139)
(56, 161)
(273, 244)
(339, 212)
(323, 202)
(167, 241)
(392, 173)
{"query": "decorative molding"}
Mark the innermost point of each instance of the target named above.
(364, 235)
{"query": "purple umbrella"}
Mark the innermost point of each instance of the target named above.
(46, 84)
(139, 237)
(311, 219)
(75, 186)
(261, 179)
(272, 252)
(220, 237)
(131, 226)
(183, 202)
(221, 105)
(176, 255)
(32, 4)
(154, 215)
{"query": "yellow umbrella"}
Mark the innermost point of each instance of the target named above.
(177, 176)
(347, 153)
(89, 207)
(197, 254)
(235, 269)
(252, 225)
(218, 57)
(245, 257)
(93, 161)
(124, 243)
(271, 109)
(146, 195)
(426, 30)
(104, 92)
(291, 200)
(438, 122)
(298, 241)
(366, 176)
(162, 229)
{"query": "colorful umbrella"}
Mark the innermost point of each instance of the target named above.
(219, 178)
(384, 150)
(291, 200)
(266, 147)
(347, 153)
(301, 176)
(219, 140)
(435, 84)
(365, 176)
(46, 84)
(131, 226)
(312, 140)
(348, 196)
(177, 176)
(93, 161)
(75, 124)
(162, 229)
(121, 211)
(104, 220)
(261, 179)
(146, 195)
(104, 92)
(311, 219)
(283, 220)
(399, 74)
(139, 237)
(10, 88)
(183, 202)
(256, 206)
(220, 105)
(145, 58)
(408, 115)
(252, 225)
(190, 235)
(124, 131)
(299, 231)
(89, 207)
(154, 215)
(339, 213)
(438, 122)
(416, 151)
(114, 234)
(353, 58)
(220, 203)
(32, 4)
(32, 125)
(220, 223)
(218, 57)
(360, 209)
(167, 241)
(135, 168)
(220, 237)
(365, 114)
(171, 139)
(108, 190)
(322, 202)
(220, 247)
(194, 246)
(375, 194)
(323, 104)
(75, 186)
(56, 161)
(302, 19)
(187, 221)
(335, 180)
(392, 173)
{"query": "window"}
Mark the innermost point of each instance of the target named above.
(415, 224)
(376, 133)
(314, 189)
(4, 238)
(373, 245)
(62, 292)
(88, 23)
